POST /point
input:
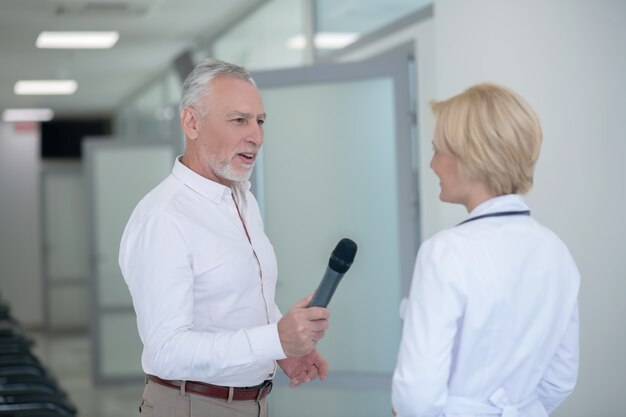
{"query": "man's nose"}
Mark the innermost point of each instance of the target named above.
(256, 136)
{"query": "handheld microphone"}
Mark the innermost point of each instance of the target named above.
(340, 261)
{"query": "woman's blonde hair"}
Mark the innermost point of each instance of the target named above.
(494, 134)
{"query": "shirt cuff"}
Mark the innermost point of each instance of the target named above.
(265, 342)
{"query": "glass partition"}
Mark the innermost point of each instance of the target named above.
(65, 241)
(339, 23)
(329, 170)
(119, 174)
(152, 115)
(337, 162)
(265, 39)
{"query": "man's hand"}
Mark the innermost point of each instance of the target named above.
(302, 327)
(304, 368)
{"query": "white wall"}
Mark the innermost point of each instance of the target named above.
(568, 59)
(20, 249)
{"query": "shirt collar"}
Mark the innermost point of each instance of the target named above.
(508, 202)
(212, 190)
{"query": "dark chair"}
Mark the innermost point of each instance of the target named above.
(22, 370)
(32, 383)
(33, 410)
(48, 401)
(16, 341)
(36, 412)
(23, 358)
(33, 413)
(26, 389)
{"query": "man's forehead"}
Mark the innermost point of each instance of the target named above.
(239, 98)
(246, 114)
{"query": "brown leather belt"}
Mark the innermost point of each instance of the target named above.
(216, 391)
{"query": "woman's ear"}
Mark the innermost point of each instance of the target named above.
(189, 123)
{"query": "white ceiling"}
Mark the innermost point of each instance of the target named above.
(152, 34)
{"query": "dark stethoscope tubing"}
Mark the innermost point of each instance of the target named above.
(498, 214)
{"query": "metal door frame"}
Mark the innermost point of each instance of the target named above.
(399, 64)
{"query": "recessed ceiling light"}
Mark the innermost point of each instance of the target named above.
(45, 87)
(324, 40)
(77, 40)
(27, 115)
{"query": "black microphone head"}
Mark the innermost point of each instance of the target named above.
(343, 255)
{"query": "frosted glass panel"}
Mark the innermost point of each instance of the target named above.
(66, 236)
(122, 176)
(148, 106)
(257, 44)
(360, 17)
(120, 346)
(330, 172)
(69, 306)
(66, 256)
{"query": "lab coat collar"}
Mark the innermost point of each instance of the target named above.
(508, 202)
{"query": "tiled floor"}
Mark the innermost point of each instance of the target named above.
(68, 358)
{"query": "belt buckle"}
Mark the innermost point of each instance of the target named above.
(266, 385)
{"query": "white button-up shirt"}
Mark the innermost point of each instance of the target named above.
(491, 322)
(203, 293)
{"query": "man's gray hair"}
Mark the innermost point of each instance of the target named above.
(195, 85)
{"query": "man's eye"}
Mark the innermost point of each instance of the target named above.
(261, 122)
(240, 121)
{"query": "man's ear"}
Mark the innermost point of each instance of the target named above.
(189, 123)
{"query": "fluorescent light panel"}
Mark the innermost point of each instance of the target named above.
(77, 40)
(324, 40)
(45, 87)
(27, 115)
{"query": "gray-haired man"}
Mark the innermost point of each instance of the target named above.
(202, 273)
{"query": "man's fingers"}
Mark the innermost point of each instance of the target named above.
(318, 325)
(301, 377)
(322, 367)
(302, 327)
(317, 336)
(310, 367)
(317, 313)
(304, 376)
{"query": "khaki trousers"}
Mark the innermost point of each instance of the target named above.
(160, 401)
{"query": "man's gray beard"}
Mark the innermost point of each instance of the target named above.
(224, 170)
(227, 172)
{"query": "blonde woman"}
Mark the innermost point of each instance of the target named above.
(491, 322)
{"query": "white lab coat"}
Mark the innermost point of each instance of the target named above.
(491, 322)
